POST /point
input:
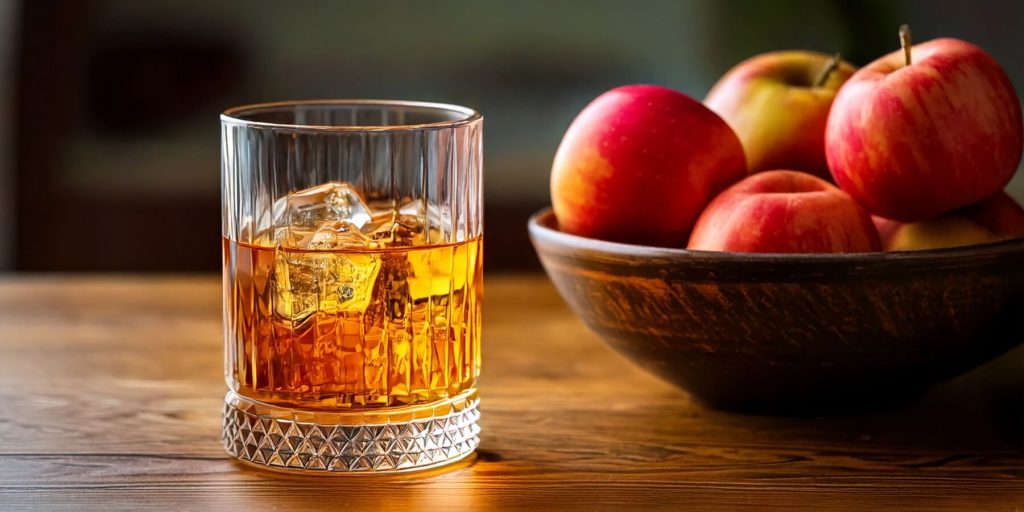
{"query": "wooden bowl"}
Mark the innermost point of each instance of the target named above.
(792, 332)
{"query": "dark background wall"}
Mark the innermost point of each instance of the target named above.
(109, 146)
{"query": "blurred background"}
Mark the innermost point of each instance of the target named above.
(109, 131)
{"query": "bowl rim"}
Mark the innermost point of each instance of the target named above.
(541, 227)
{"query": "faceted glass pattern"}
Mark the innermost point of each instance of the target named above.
(253, 433)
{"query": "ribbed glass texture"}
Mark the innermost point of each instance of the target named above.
(352, 243)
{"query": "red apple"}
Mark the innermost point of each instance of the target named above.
(638, 165)
(912, 141)
(784, 212)
(777, 103)
(993, 219)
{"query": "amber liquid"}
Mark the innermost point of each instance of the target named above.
(353, 328)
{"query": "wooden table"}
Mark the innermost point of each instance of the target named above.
(110, 394)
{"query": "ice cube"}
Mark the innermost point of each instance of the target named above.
(382, 218)
(414, 222)
(309, 211)
(328, 282)
(330, 201)
(339, 234)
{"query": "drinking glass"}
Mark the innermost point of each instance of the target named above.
(352, 251)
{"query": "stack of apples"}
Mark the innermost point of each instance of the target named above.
(798, 152)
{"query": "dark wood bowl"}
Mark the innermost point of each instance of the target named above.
(792, 332)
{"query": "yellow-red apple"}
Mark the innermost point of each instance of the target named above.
(784, 212)
(777, 103)
(638, 165)
(993, 219)
(916, 134)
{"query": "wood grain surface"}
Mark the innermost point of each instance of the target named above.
(110, 394)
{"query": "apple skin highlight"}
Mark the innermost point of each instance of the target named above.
(784, 211)
(639, 164)
(912, 142)
(778, 111)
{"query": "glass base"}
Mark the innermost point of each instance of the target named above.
(370, 441)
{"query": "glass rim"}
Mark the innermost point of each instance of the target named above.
(234, 115)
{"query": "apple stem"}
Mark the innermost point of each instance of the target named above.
(830, 66)
(905, 42)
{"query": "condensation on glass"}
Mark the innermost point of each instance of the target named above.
(352, 251)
